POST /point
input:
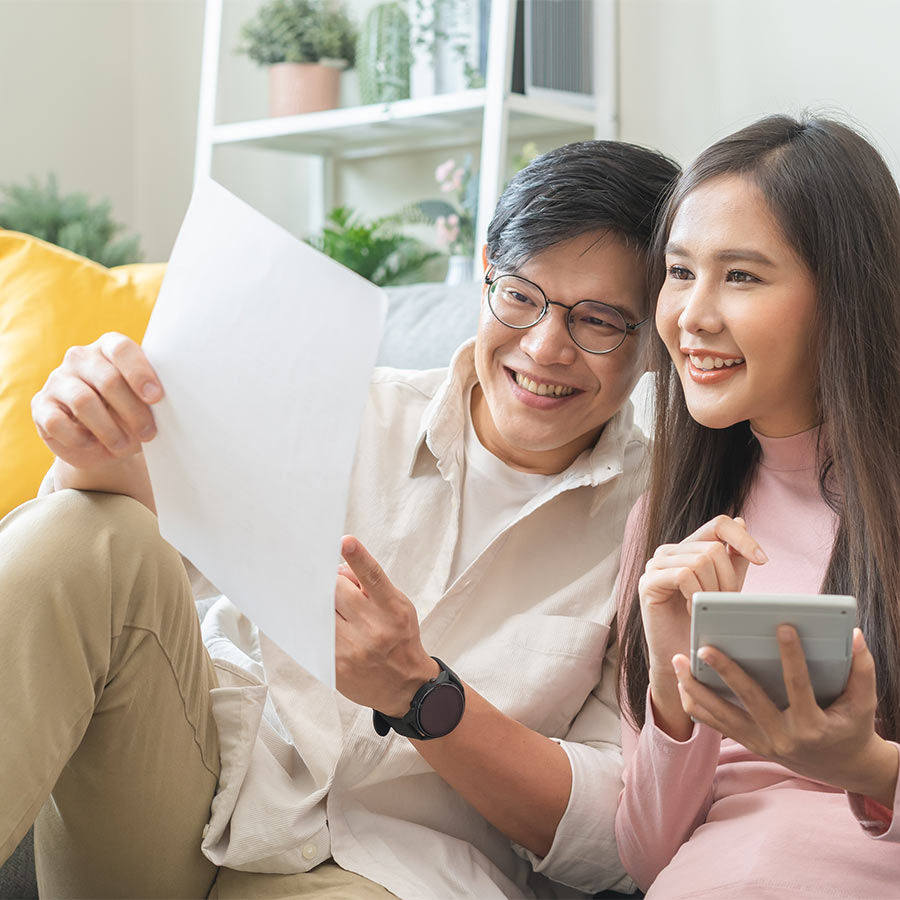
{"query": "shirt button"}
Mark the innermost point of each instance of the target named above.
(309, 851)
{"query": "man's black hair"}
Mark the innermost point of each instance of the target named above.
(578, 188)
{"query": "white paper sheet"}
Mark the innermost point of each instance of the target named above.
(264, 348)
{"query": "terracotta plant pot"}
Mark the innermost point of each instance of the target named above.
(303, 87)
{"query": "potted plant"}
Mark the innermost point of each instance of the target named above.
(453, 218)
(305, 44)
(67, 220)
(375, 249)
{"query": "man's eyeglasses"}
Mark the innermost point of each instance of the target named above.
(520, 303)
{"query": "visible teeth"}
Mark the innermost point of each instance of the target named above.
(543, 390)
(708, 363)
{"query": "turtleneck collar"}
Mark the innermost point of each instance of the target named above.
(795, 453)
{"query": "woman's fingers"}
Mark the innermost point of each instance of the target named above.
(703, 705)
(658, 585)
(711, 560)
(754, 699)
(732, 532)
(800, 693)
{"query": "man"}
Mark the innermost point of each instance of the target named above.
(486, 510)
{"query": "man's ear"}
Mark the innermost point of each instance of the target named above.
(484, 258)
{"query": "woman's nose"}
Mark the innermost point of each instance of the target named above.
(701, 311)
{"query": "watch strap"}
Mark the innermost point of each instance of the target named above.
(409, 725)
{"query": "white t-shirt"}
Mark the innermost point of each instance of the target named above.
(493, 495)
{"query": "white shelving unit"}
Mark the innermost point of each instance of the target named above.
(492, 115)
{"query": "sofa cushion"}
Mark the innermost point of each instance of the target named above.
(427, 322)
(50, 300)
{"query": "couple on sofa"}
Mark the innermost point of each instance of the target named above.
(473, 746)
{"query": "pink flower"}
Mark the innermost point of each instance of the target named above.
(443, 170)
(447, 229)
(455, 183)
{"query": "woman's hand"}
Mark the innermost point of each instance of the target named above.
(95, 407)
(837, 745)
(714, 558)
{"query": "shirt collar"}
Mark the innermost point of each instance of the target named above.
(442, 423)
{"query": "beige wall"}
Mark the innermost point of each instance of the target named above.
(695, 70)
(104, 93)
(66, 96)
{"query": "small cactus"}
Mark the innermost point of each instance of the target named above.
(384, 55)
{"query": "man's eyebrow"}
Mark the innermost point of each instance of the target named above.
(626, 311)
(731, 255)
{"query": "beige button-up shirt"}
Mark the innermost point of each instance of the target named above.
(304, 775)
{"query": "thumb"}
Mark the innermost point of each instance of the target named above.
(861, 685)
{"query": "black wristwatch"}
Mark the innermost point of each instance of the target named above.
(434, 711)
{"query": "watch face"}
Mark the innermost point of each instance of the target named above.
(441, 709)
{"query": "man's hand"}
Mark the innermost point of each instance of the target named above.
(379, 658)
(95, 407)
(94, 414)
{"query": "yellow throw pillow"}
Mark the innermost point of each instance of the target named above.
(50, 300)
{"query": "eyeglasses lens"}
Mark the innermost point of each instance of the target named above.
(595, 327)
(516, 302)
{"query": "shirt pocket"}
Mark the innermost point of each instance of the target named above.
(538, 669)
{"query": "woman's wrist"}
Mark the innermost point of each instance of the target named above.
(874, 773)
(668, 713)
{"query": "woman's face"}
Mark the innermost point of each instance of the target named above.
(736, 312)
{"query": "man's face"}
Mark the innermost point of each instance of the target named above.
(543, 432)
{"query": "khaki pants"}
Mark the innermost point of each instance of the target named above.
(108, 737)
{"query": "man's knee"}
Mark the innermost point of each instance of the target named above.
(80, 535)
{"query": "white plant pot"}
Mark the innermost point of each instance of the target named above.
(460, 269)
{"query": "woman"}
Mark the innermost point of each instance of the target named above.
(776, 469)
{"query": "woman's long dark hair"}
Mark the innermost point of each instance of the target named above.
(839, 209)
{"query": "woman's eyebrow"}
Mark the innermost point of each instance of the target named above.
(735, 255)
(744, 256)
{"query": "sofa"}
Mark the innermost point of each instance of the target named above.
(51, 299)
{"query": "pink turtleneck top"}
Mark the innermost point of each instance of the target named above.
(705, 817)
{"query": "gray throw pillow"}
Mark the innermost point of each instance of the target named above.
(427, 322)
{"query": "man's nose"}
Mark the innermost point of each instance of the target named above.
(549, 342)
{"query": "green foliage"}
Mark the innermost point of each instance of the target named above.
(384, 55)
(299, 31)
(377, 250)
(69, 221)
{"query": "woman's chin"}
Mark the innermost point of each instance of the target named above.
(716, 419)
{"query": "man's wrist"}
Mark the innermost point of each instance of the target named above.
(424, 672)
(434, 711)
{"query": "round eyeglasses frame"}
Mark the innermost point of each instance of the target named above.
(490, 279)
